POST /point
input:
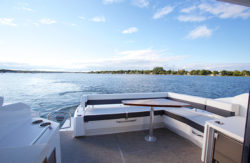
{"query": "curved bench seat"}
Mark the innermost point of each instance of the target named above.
(105, 113)
(186, 115)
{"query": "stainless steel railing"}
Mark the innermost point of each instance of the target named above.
(60, 117)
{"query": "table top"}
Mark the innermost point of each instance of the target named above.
(156, 103)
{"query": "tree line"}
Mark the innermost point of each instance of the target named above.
(155, 71)
(161, 71)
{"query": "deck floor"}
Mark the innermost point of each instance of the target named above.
(129, 147)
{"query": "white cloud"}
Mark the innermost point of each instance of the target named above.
(131, 59)
(27, 9)
(36, 24)
(47, 21)
(111, 1)
(188, 9)
(24, 7)
(226, 10)
(98, 19)
(130, 30)
(201, 31)
(125, 64)
(220, 10)
(140, 3)
(129, 41)
(7, 21)
(81, 17)
(1, 42)
(162, 12)
(191, 18)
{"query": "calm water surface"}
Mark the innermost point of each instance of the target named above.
(46, 92)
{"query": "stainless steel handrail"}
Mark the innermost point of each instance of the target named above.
(69, 115)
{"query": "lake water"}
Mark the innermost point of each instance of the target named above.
(46, 92)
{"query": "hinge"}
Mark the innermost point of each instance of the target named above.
(216, 135)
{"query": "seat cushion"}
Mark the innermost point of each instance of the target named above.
(188, 116)
(104, 113)
(105, 110)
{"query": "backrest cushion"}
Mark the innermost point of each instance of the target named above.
(196, 102)
(99, 99)
(222, 108)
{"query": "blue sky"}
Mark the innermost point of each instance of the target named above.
(84, 35)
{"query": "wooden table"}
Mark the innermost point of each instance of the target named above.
(154, 103)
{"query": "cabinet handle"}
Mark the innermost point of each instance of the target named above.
(193, 132)
(131, 120)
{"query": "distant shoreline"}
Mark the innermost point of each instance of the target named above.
(155, 71)
(34, 71)
(161, 71)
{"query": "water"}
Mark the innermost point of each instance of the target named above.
(46, 92)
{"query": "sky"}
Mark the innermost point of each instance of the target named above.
(90, 35)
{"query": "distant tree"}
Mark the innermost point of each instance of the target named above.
(192, 72)
(226, 73)
(181, 72)
(215, 73)
(229, 73)
(140, 71)
(208, 72)
(168, 72)
(147, 72)
(204, 72)
(223, 73)
(158, 70)
(195, 72)
(198, 72)
(236, 73)
(174, 72)
(245, 73)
